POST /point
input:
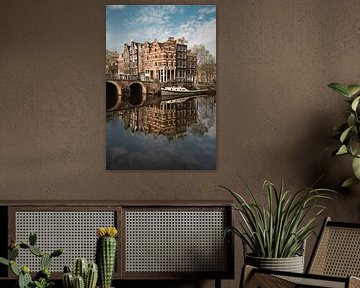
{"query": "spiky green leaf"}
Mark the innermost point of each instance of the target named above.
(340, 88)
(356, 167)
(14, 268)
(345, 134)
(353, 89)
(4, 261)
(351, 120)
(342, 150)
(355, 103)
(349, 182)
(354, 145)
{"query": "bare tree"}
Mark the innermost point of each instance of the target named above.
(111, 62)
(206, 64)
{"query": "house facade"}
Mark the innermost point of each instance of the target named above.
(166, 62)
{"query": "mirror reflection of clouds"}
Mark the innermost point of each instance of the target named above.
(136, 150)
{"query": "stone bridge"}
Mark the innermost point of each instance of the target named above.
(134, 91)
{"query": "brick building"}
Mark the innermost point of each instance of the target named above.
(167, 62)
(191, 61)
(128, 61)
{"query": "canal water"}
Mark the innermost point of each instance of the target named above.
(163, 134)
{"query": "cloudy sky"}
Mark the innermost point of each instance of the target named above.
(197, 23)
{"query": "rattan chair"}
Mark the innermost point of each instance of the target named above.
(334, 263)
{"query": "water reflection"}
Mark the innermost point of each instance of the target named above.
(165, 133)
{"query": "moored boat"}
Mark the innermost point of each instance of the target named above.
(177, 91)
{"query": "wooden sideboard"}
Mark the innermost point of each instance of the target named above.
(157, 240)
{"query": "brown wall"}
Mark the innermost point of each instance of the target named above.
(275, 113)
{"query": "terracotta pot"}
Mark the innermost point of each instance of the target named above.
(291, 264)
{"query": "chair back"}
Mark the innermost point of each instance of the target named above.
(337, 251)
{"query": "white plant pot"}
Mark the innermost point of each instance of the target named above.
(291, 264)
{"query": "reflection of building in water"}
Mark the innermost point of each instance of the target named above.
(206, 111)
(206, 116)
(170, 119)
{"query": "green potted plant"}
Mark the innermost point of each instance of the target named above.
(275, 233)
(42, 278)
(348, 132)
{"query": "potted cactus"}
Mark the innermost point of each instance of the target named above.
(84, 275)
(106, 254)
(42, 278)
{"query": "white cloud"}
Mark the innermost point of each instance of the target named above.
(207, 10)
(197, 32)
(149, 33)
(113, 42)
(109, 41)
(116, 7)
(155, 15)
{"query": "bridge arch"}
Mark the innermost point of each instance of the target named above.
(113, 95)
(137, 93)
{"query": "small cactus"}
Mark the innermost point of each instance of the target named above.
(57, 252)
(91, 276)
(79, 282)
(106, 254)
(36, 251)
(67, 269)
(25, 269)
(13, 253)
(80, 268)
(42, 283)
(44, 273)
(45, 261)
(24, 245)
(32, 238)
(89, 272)
(42, 278)
(68, 280)
(24, 278)
(14, 268)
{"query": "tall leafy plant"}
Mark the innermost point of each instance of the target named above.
(348, 132)
(279, 229)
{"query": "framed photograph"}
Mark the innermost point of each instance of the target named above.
(160, 87)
